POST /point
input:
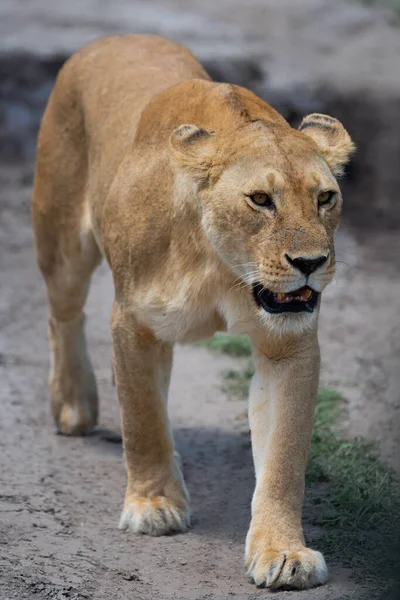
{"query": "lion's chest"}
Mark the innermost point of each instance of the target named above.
(180, 313)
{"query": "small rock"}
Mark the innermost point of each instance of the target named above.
(130, 577)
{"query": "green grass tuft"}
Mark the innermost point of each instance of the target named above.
(233, 345)
(237, 382)
(361, 506)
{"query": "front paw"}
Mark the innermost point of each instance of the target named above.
(154, 516)
(299, 568)
(160, 513)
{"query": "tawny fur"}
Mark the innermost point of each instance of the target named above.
(144, 160)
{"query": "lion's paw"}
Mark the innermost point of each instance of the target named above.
(75, 402)
(298, 569)
(77, 420)
(154, 516)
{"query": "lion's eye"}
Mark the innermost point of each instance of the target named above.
(325, 198)
(262, 199)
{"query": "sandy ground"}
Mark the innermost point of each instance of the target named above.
(60, 497)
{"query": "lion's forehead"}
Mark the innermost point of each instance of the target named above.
(278, 164)
(271, 173)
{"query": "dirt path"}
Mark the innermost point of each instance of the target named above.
(360, 337)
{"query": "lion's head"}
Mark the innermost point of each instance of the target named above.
(270, 203)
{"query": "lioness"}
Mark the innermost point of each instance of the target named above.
(213, 214)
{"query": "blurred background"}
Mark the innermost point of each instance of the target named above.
(331, 56)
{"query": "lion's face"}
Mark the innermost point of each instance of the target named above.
(270, 206)
(271, 217)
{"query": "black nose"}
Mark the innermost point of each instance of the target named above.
(306, 265)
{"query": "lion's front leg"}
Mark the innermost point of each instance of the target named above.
(156, 500)
(282, 400)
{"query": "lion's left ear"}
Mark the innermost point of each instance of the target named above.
(331, 138)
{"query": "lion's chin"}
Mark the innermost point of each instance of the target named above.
(304, 299)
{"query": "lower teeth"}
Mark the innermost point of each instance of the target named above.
(282, 298)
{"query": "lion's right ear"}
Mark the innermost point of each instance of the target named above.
(193, 150)
(331, 138)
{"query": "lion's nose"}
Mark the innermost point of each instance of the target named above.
(306, 265)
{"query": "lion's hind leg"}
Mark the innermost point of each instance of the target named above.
(67, 254)
(72, 382)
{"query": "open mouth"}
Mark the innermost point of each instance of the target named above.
(302, 300)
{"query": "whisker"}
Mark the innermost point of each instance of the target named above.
(237, 289)
(342, 262)
(241, 285)
(248, 275)
(244, 281)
